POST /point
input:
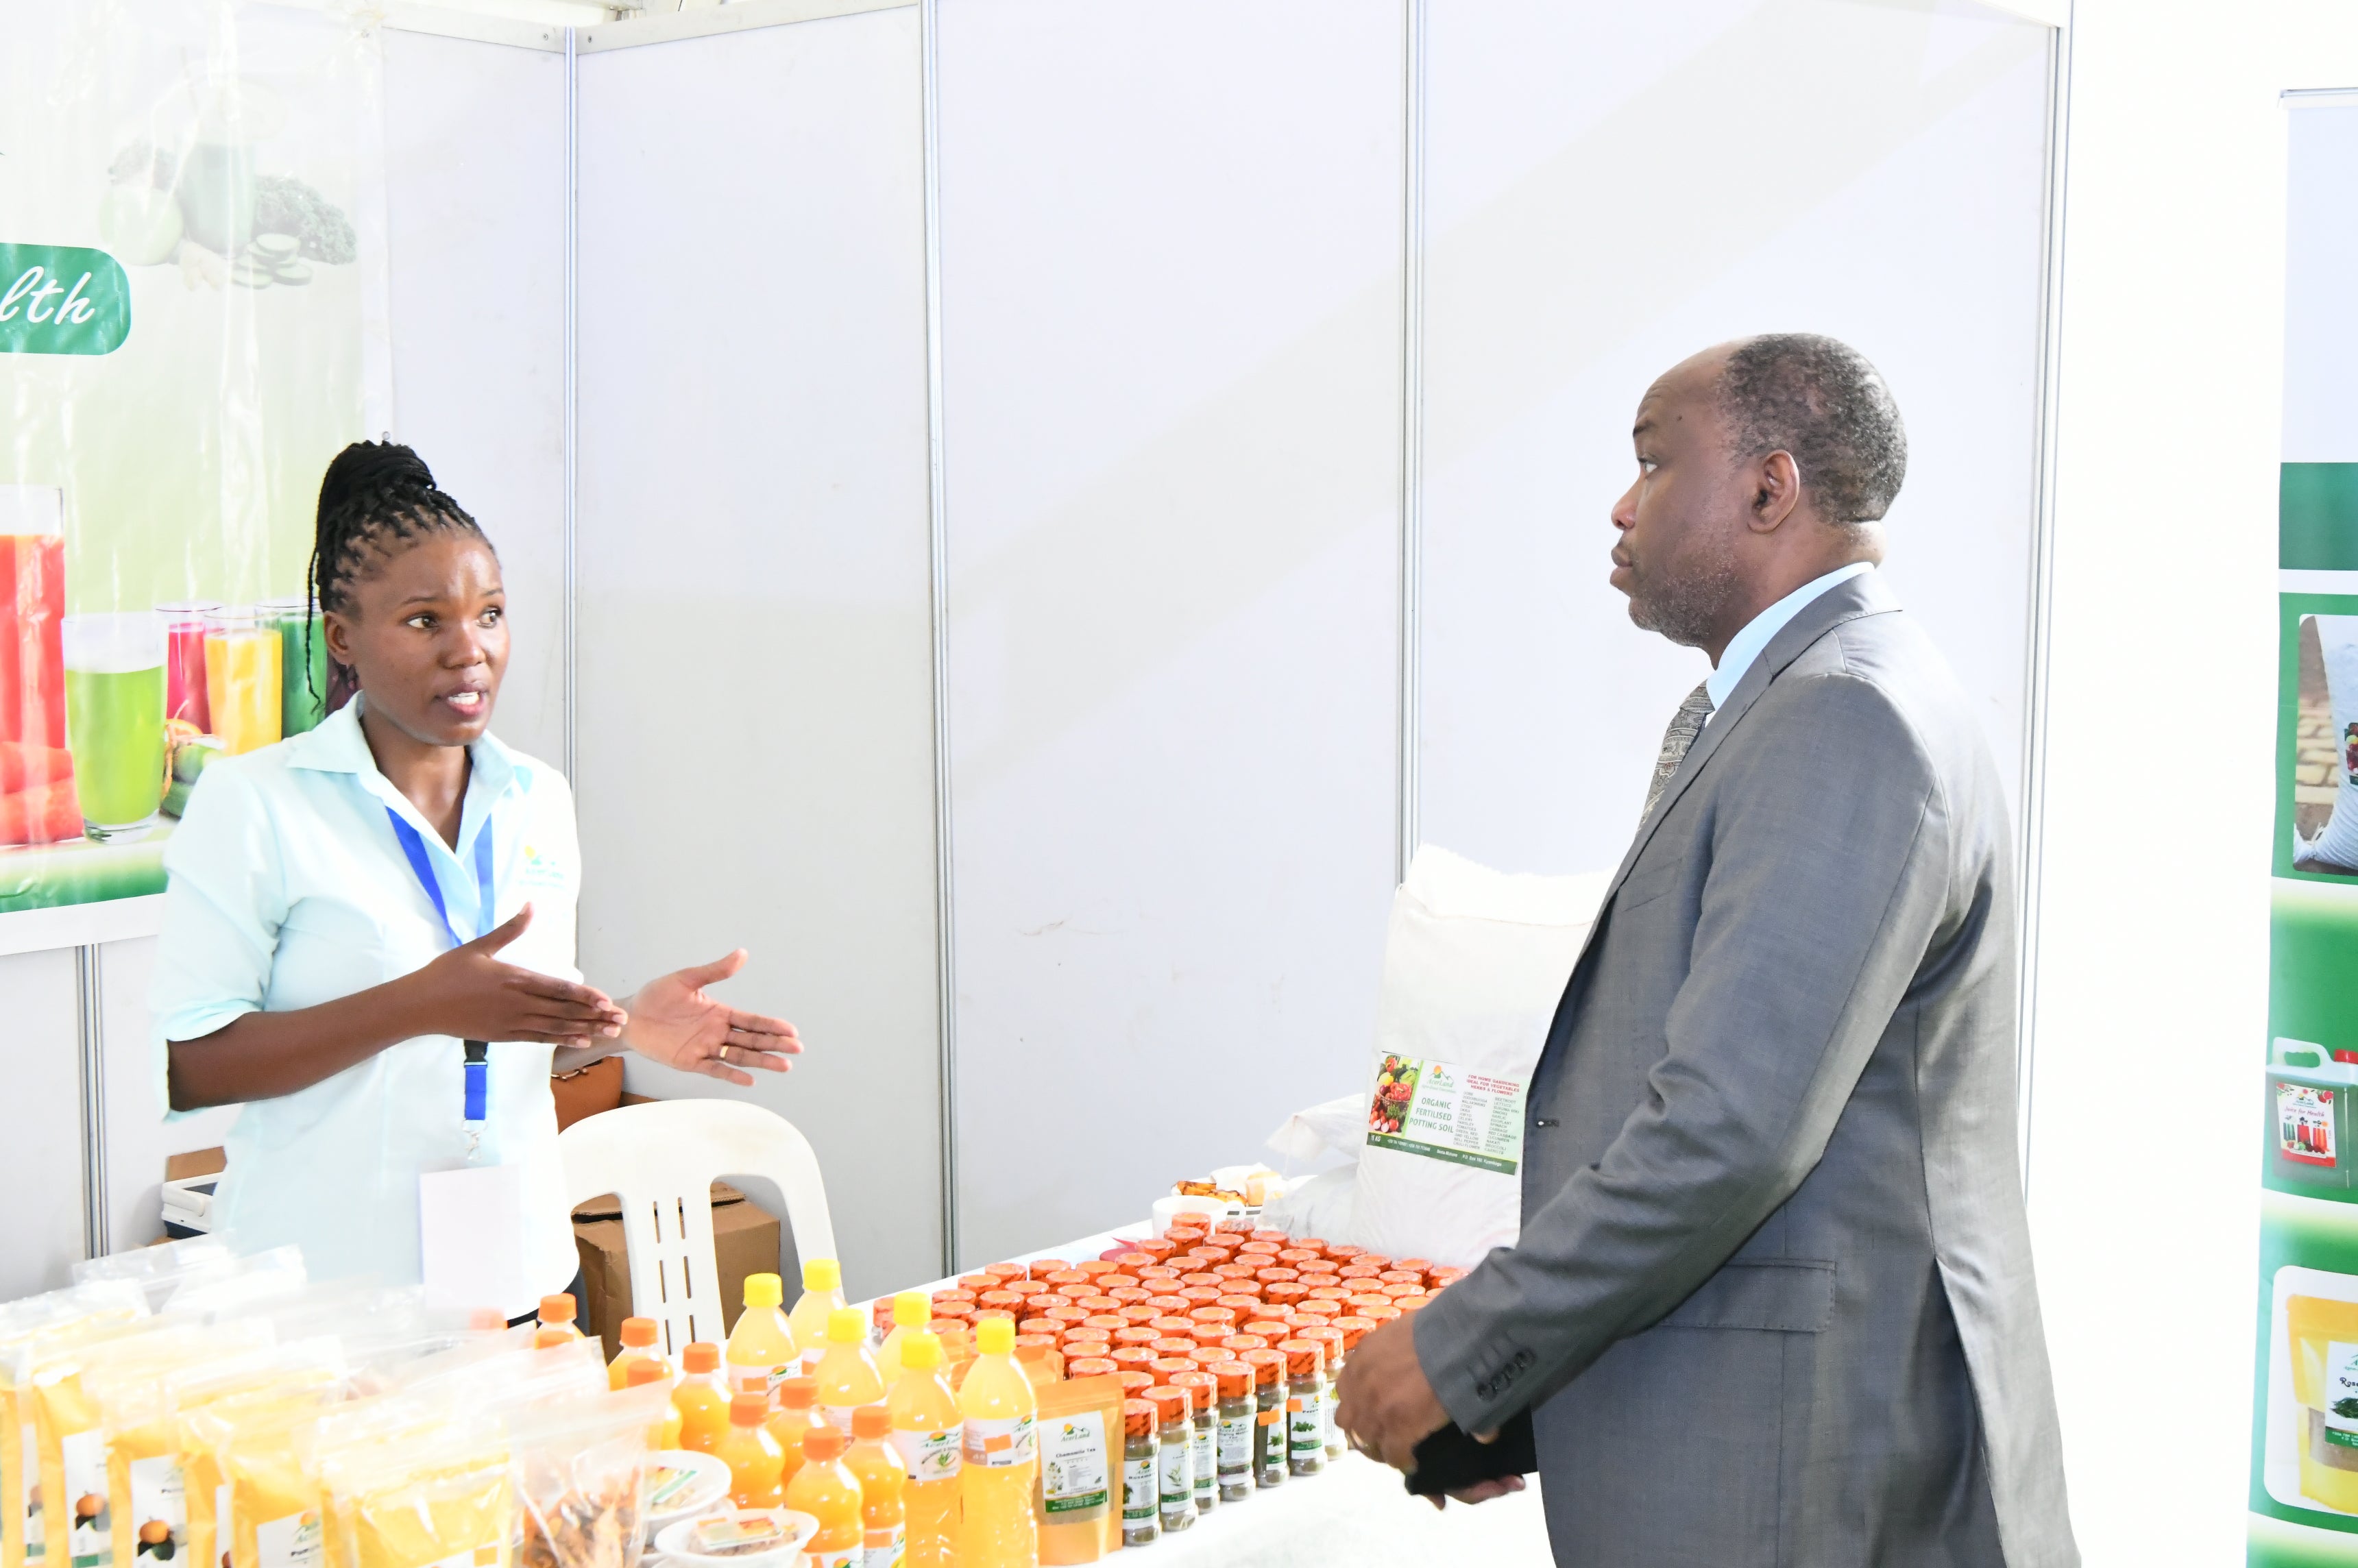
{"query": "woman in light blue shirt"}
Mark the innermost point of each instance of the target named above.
(352, 913)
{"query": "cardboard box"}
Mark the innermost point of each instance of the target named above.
(745, 1240)
(196, 1162)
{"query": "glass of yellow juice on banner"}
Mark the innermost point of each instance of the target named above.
(115, 720)
(302, 663)
(241, 677)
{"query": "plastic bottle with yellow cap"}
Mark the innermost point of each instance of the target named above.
(761, 1346)
(847, 1377)
(912, 1310)
(822, 1293)
(1000, 1463)
(926, 1430)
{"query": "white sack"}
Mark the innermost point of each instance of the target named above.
(1475, 963)
(2337, 842)
(1338, 1126)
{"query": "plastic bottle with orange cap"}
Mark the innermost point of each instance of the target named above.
(827, 1490)
(700, 1398)
(754, 1459)
(884, 1515)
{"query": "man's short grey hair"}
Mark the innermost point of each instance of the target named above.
(1819, 399)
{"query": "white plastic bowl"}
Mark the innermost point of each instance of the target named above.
(672, 1543)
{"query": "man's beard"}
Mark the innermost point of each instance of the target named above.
(1687, 607)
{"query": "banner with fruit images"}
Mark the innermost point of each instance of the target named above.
(190, 320)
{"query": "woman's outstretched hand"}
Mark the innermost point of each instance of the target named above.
(676, 1021)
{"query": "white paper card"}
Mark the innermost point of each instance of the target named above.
(470, 1224)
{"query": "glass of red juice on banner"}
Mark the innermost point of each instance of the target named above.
(184, 663)
(114, 718)
(242, 650)
(32, 607)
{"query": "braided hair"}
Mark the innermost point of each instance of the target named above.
(375, 497)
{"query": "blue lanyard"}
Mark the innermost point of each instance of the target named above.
(478, 1053)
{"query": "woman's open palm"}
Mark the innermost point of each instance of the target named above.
(676, 1022)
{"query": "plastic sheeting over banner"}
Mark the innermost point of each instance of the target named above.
(190, 325)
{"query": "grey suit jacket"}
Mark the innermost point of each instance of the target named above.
(1772, 1299)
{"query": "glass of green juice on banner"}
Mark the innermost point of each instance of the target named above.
(242, 685)
(115, 720)
(302, 663)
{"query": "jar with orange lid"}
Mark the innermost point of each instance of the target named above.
(1329, 1294)
(1047, 1325)
(1140, 1474)
(1240, 1343)
(1038, 1355)
(1415, 1265)
(1155, 1246)
(1176, 1435)
(1243, 1305)
(1130, 1258)
(1399, 1276)
(1439, 1277)
(1269, 1414)
(1312, 1267)
(1379, 1312)
(1365, 1299)
(1202, 1396)
(1266, 1234)
(1171, 1323)
(1085, 1350)
(1039, 1300)
(1165, 1367)
(1197, 1280)
(1409, 1303)
(1127, 1295)
(1008, 1271)
(1137, 1313)
(1105, 1321)
(1096, 1303)
(1234, 1414)
(1089, 1366)
(1205, 1354)
(1211, 1332)
(1086, 1266)
(1258, 1250)
(1342, 1251)
(1306, 1406)
(1333, 1344)
(1311, 1244)
(1269, 1328)
(1277, 1275)
(1172, 1344)
(1284, 1292)
(1113, 1276)
(1041, 1268)
(1211, 1311)
(1294, 1257)
(1199, 1295)
(1136, 1334)
(1135, 1381)
(977, 1282)
(1133, 1357)
(1185, 1235)
(1401, 1288)
(1065, 1311)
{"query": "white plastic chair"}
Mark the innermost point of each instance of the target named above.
(661, 1160)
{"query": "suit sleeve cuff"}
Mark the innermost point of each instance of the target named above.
(1476, 1370)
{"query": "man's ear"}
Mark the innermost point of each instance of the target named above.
(1777, 491)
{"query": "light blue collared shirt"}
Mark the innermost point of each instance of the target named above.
(1762, 629)
(287, 888)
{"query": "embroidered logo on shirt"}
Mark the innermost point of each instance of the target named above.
(540, 871)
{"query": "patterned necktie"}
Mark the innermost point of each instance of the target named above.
(1685, 725)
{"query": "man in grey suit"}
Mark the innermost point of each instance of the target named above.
(1772, 1299)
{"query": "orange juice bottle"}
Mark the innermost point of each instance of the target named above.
(822, 1293)
(847, 1374)
(926, 1429)
(1000, 1463)
(761, 1346)
(795, 1417)
(754, 1459)
(826, 1489)
(700, 1400)
(647, 1369)
(556, 1313)
(912, 1310)
(638, 1336)
(881, 1514)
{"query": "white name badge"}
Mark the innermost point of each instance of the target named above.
(470, 1224)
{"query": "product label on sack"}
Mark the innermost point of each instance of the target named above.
(28, 1506)
(1235, 1444)
(1000, 1445)
(929, 1455)
(290, 1542)
(89, 1542)
(1073, 1464)
(885, 1549)
(159, 1508)
(1137, 1491)
(1437, 1110)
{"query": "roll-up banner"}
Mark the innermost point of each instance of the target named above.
(191, 324)
(2304, 1485)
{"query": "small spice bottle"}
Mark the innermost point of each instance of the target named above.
(1332, 1344)
(1140, 1474)
(1176, 1435)
(1269, 1415)
(1203, 1395)
(1306, 1406)
(1233, 1439)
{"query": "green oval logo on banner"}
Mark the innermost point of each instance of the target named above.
(61, 299)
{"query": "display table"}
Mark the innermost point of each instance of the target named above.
(1356, 1513)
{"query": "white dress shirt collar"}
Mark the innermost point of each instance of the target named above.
(1746, 645)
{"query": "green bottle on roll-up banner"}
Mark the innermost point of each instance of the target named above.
(61, 299)
(2309, 1092)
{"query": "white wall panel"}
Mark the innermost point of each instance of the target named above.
(474, 138)
(139, 1139)
(41, 1154)
(1171, 303)
(755, 667)
(1613, 187)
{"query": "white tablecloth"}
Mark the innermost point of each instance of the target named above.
(1356, 1513)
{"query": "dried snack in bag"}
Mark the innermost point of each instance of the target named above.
(79, 1312)
(581, 1477)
